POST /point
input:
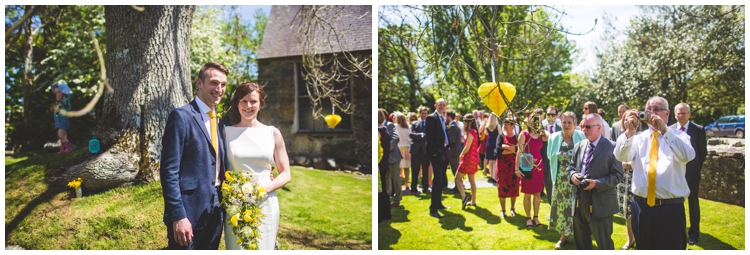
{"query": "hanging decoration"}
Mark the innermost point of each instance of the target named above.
(332, 119)
(490, 94)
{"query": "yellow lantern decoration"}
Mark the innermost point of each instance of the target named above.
(332, 120)
(491, 95)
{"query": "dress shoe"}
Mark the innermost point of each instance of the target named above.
(628, 247)
(465, 201)
(416, 193)
(693, 240)
(442, 207)
(396, 204)
(435, 214)
(560, 244)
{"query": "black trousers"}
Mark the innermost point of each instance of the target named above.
(206, 232)
(661, 227)
(694, 209)
(420, 161)
(438, 175)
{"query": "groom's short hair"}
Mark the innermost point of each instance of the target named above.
(215, 65)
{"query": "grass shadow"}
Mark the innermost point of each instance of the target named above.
(709, 242)
(451, 221)
(399, 214)
(387, 235)
(484, 214)
(46, 196)
(300, 237)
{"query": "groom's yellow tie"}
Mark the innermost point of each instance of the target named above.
(214, 141)
(651, 178)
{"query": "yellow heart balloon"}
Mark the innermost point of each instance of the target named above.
(332, 120)
(491, 95)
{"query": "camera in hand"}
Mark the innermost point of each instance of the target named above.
(583, 183)
(642, 115)
(417, 136)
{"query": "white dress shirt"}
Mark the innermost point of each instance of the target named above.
(674, 152)
(204, 113)
(606, 130)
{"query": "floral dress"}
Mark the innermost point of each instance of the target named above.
(624, 195)
(561, 213)
(507, 181)
(470, 161)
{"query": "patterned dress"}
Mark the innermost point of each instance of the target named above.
(470, 161)
(507, 181)
(561, 214)
(624, 194)
(536, 184)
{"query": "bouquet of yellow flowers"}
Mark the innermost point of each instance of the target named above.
(75, 183)
(242, 200)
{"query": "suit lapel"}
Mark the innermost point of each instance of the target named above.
(197, 116)
(598, 149)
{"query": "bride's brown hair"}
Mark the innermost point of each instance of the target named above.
(241, 91)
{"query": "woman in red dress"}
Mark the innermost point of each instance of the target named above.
(507, 181)
(530, 141)
(469, 161)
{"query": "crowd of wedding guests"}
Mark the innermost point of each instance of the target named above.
(587, 169)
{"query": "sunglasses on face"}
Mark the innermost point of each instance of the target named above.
(589, 126)
(551, 114)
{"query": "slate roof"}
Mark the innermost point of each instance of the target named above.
(281, 38)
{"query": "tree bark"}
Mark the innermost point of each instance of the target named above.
(149, 69)
(27, 77)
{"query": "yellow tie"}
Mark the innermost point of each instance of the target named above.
(653, 157)
(214, 139)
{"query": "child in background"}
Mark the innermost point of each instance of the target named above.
(62, 98)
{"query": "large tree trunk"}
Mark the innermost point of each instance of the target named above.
(150, 73)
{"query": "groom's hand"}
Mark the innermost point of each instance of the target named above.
(183, 231)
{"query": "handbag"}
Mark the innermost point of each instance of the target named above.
(527, 162)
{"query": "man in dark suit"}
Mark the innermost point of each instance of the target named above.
(437, 149)
(551, 124)
(419, 157)
(192, 166)
(693, 168)
(455, 145)
(595, 201)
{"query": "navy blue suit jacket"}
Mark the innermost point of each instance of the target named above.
(188, 166)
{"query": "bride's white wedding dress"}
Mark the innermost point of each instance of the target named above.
(251, 149)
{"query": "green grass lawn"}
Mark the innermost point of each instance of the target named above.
(319, 210)
(481, 228)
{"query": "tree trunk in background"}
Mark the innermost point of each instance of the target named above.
(150, 73)
(29, 46)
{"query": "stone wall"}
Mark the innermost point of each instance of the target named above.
(723, 175)
(331, 151)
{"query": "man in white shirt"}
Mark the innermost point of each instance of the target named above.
(659, 185)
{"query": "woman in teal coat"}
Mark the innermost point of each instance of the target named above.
(560, 152)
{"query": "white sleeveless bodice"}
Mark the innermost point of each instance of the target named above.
(251, 149)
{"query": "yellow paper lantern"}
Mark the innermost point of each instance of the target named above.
(332, 120)
(491, 95)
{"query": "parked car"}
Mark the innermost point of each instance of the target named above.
(730, 125)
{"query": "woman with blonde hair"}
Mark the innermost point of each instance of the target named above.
(490, 155)
(404, 145)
